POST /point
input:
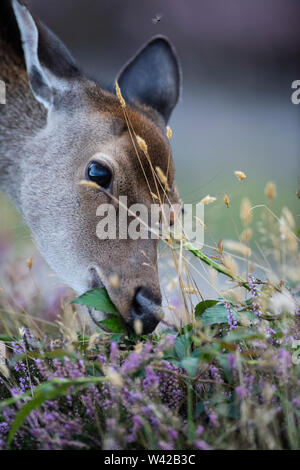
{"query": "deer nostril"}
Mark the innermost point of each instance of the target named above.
(147, 309)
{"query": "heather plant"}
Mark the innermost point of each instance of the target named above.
(216, 384)
(225, 374)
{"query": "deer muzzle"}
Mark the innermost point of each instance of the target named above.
(146, 312)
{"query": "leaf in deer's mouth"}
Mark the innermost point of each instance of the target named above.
(99, 300)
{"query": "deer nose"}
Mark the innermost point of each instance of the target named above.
(146, 311)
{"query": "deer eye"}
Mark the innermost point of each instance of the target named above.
(99, 174)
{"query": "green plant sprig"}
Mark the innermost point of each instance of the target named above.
(220, 269)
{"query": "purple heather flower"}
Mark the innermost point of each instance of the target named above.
(131, 363)
(231, 317)
(199, 430)
(147, 348)
(241, 391)
(137, 422)
(213, 418)
(201, 445)
(151, 380)
(146, 410)
(173, 434)
(165, 445)
(131, 397)
(231, 361)
(296, 402)
(101, 358)
(284, 363)
(255, 294)
(169, 387)
(216, 374)
(114, 350)
(18, 348)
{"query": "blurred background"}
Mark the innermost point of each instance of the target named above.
(238, 58)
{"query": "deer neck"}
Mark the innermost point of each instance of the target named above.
(21, 117)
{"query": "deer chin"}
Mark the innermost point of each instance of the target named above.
(96, 315)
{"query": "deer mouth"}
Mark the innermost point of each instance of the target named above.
(145, 311)
(97, 315)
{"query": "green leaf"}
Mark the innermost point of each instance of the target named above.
(204, 305)
(186, 329)
(97, 298)
(248, 314)
(242, 334)
(190, 364)
(200, 409)
(216, 315)
(183, 346)
(224, 363)
(114, 325)
(6, 339)
(196, 352)
(116, 337)
(209, 352)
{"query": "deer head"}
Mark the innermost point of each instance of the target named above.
(88, 137)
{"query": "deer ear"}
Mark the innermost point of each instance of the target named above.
(153, 77)
(48, 61)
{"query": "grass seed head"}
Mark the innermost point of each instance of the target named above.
(245, 213)
(119, 95)
(4, 370)
(30, 263)
(89, 184)
(190, 290)
(282, 302)
(240, 175)
(220, 246)
(22, 331)
(114, 378)
(226, 200)
(237, 247)
(288, 217)
(93, 341)
(169, 132)
(162, 177)
(2, 353)
(286, 226)
(172, 284)
(114, 281)
(208, 200)
(230, 264)
(200, 222)
(138, 348)
(138, 326)
(270, 190)
(246, 235)
(142, 144)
